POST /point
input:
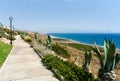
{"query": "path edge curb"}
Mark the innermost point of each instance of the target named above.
(6, 59)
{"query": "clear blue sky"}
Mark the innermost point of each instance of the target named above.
(62, 15)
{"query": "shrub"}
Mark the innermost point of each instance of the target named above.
(1, 32)
(67, 70)
(40, 41)
(22, 36)
(13, 38)
(8, 37)
(1, 35)
(60, 51)
(18, 32)
(7, 30)
(28, 39)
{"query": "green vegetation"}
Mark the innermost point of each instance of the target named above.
(108, 60)
(22, 36)
(60, 50)
(67, 71)
(82, 47)
(4, 51)
(87, 60)
(8, 37)
(117, 59)
(71, 72)
(60, 39)
(49, 41)
(5, 32)
(2, 32)
(26, 37)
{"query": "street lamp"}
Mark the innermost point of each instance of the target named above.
(10, 18)
(13, 30)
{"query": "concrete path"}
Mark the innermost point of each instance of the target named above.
(23, 64)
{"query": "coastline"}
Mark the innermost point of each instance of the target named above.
(74, 41)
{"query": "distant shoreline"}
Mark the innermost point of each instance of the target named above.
(74, 41)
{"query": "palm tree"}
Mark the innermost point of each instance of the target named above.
(108, 61)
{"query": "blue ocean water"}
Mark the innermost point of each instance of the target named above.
(89, 38)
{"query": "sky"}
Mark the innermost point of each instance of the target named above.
(62, 16)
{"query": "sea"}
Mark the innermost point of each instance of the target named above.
(90, 38)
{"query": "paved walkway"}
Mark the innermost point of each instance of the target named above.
(23, 64)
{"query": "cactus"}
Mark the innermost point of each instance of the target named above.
(86, 62)
(108, 60)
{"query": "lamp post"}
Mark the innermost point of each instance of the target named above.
(10, 18)
(13, 30)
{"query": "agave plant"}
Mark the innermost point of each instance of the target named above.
(49, 41)
(117, 59)
(108, 61)
(86, 62)
(36, 36)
